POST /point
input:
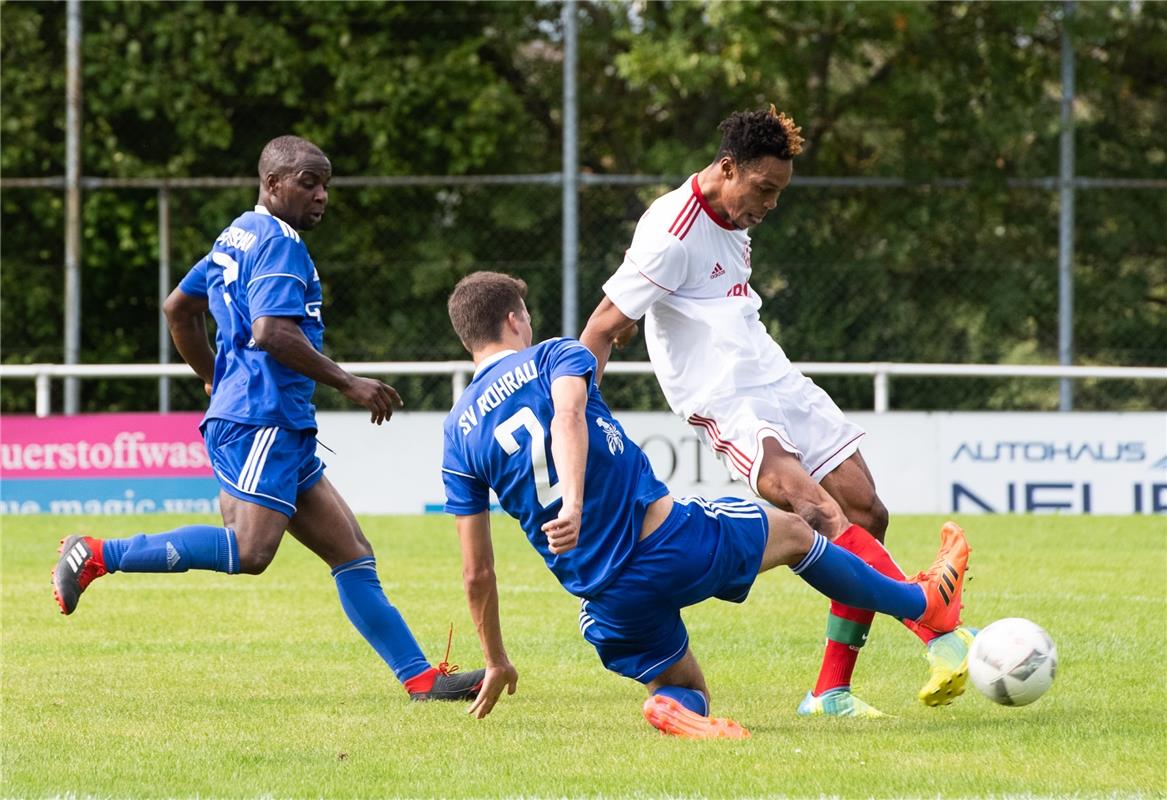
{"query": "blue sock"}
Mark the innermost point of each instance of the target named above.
(191, 547)
(381, 624)
(842, 576)
(689, 698)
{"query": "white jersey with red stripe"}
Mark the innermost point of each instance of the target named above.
(688, 273)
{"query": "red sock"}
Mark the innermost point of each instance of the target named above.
(874, 554)
(846, 631)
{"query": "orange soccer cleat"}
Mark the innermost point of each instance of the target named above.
(944, 581)
(668, 716)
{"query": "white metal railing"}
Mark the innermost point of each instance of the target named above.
(459, 372)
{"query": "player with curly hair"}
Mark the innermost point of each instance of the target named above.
(687, 273)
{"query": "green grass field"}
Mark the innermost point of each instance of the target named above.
(215, 686)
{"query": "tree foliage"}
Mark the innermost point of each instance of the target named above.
(916, 91)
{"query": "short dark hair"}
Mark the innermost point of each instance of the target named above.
(480, 304)
(280, 154)
(749, 135)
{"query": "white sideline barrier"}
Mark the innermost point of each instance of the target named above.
(880, 373)
(936, 463)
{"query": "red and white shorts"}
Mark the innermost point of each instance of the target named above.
(793, 411)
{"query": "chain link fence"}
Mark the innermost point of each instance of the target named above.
(847, 271)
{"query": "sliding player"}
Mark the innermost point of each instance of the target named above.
(533, 427)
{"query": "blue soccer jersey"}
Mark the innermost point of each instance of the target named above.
(259, 267)
(498, 436)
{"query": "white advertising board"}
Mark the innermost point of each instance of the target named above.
(1074, 463)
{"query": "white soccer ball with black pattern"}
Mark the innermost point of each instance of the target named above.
(1013, 661)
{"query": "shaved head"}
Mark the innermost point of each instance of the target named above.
(293, 181)
(284, 154)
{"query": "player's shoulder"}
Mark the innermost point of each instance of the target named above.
(670, 217)
(251, 230)
(561, 344)
(563, 355)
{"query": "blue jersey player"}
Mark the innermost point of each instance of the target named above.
(262, 288)
(532, 427)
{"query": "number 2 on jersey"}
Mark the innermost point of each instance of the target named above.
(504, 434)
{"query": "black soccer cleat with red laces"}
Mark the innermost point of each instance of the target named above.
(80, 562)
(448, 684)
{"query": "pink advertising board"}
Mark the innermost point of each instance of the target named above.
(104, 464)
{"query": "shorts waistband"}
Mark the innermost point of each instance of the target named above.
(677, 516)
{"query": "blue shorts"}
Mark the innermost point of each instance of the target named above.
(263, 464)
(705, 548)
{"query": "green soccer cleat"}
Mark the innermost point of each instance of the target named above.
(948, 657)
(836, 703)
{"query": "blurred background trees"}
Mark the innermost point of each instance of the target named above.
(918, 91)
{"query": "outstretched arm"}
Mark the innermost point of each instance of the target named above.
(569, 449)
(482, 596)
(607, 327)
(282, 338)
(187, 320)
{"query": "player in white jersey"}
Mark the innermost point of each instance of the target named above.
(687, 273)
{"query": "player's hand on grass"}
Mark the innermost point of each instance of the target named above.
(378, 397)
(625, 336)
(563, 531)
(497, 678)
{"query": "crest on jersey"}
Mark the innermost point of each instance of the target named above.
(612, 433)
(746, 254)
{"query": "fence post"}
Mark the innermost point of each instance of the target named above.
(458, 381)
(163, 290)
(570, 174)
(73, 202)
(882, 390)
(44, 394)
(1066, 216)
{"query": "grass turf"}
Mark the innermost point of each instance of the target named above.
(209, 685)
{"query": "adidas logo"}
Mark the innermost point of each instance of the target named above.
(949, 581)
(172, 556)
(77, 556)
(718, 271)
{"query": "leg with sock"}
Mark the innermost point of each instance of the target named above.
(179, 550)
(84, 558)
(848, 627)
(858, 541)
(855, 588)
(369, 610)
(844, 577)
(375, 618)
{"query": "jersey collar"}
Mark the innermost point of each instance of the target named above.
(713, 215)
(262, 210)
(492, 358)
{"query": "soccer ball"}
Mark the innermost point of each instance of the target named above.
(1012, 661)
